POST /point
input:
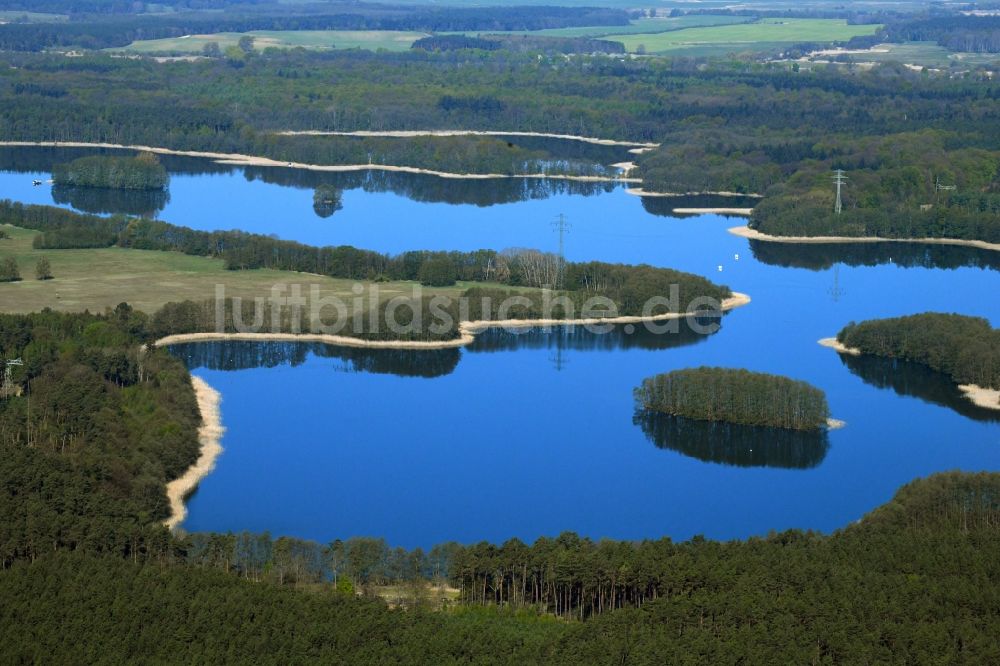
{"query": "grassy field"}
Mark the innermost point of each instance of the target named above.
(761, 35)
(9, 16)
(643, 26)
(97, 279)
(286, 39)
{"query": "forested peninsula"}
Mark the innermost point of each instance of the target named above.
(735, 396)
(503, 275)
(967, 349)
(143, 172)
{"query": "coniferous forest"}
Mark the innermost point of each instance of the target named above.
(96, 418)
(965, 348)
(735, 396)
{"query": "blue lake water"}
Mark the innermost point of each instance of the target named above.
(535, 434)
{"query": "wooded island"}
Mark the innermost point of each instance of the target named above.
(735, 396)
(143, 172)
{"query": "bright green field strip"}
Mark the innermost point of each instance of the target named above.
(646, 25)
(747, 35)
(8, 16)
(308, 39)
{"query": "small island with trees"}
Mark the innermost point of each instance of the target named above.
(967, 349)
(142, 172)
(736, 396)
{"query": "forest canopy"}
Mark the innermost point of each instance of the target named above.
(965, 348)
(142, 172)
(735, 396)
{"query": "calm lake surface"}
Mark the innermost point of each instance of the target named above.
(525, 435)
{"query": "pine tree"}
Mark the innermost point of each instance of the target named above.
(43, 269)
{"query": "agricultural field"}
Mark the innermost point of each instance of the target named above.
(373, 40)
(921, 54)
(17, 16)
(641, 26)
(760, 35)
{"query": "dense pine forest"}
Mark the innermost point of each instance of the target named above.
(965, 348)
(920, 151)
(735, 396)
(143, 172)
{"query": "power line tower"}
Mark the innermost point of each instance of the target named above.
(836, 291)
(839, 179)
(562, 226)
(939, 187)
(8, 389)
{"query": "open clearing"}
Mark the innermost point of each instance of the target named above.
(99, 278)
(373, 40)
(762, 34)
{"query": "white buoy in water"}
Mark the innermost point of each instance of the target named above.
(720, 268)
(736, 256)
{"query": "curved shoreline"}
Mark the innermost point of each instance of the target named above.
(978, 395)
(209, 436)
(639, 192)
(239, 159)
(403, 134)
(752, 234)
(744, 212)
(467, 331)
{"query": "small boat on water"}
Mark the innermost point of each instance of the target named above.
(36, 182)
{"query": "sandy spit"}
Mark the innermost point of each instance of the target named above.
(467, 331)
(416, 133)
(753, 234)
(209, 436)
(833, 343)
(981, 396)
(715, 211)
(835, 424)
(639, 192)
(237, 159)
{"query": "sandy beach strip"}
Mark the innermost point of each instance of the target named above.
(639, 192)
(833, 343)
(714, 211)
(467, 331)
(981, 396)
(753, 234)
(209, 436)
(409, 134)
(237, 159)
(835, 424)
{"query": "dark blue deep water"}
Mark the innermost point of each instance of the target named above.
(536, 434)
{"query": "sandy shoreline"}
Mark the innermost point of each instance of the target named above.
(835, 424)
(714, 211)
(467, 331)
(416, 133)
(209, 436)
(237, 159)
(753, 234)
(639, 192)
(833, 343)
(979, 395)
